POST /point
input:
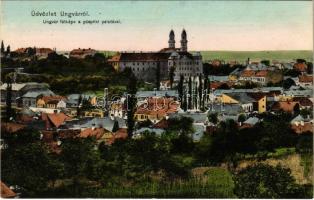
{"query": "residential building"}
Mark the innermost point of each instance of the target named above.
(82, 53)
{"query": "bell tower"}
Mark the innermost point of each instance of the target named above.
(184, 41)
(171, 41)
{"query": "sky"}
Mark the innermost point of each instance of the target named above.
(145, 25)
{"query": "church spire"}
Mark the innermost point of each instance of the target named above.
(184, 41)
(171, 40)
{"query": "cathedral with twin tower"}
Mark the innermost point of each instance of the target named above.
(144, 64)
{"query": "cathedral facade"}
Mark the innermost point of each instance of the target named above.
(144, 64)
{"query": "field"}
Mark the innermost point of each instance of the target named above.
(242, 56)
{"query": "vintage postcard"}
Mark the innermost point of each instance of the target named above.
(156, 99)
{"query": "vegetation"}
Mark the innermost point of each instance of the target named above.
(264, 181)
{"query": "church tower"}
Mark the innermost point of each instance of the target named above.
(171, 40)
(184, 42)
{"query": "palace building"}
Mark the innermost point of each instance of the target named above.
(144, 64)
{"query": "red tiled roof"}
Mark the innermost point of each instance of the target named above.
(55, 118)
(44, 50)
(286, 106)
(302, 67)
(53, 98)
(306, 79)
(262, 73)
(92, 132)
(307, 127)
(158, 106)
(121, 133)
(11, 127)
(256, 95)
(304, 101)
(82, 51)
(6, 192)
(247, 73)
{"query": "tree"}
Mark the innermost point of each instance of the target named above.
(213, 118)
(79, 105)
(131, 103)
(2, 47)
(241, 118)
(8, 50)
(288, 83)
(200, 93)
(158, 76)
(309, 68)
(9, 100)
(171, 76)
(296, 109)
(27, 164)
(180, 88)
(265, 181)
(266, 62)
(190, 93)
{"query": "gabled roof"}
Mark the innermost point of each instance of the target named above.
(92, 132)
(6, 192)
(56, 119)
(15, 86)
(37, 92)
(251, 121)
(306, 79)
(11, 127)
(241, 97)
(304, 101)
(286, 106)
(197, 117)
(105, 123)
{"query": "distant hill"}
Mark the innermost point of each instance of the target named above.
(242, 56)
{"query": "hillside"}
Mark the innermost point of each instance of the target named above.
(242, 56)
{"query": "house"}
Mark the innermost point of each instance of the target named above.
(94, 113)
(200, 122)
(6, 192)
(286, 106)
(260, 101)
(51, 102)
(243, 99)
(107, 123)
(138, 133)
(82, 53)
(121, 133)
(143, 95)
(301, 125)
(73, 100)
(301, 67)
(30, 98)
(155, 109)
(41, 53)
(11, 127)
(250, 122)
(117, 109)
(305, 81)
(305, 102)
(19, 89)
(54, 120)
